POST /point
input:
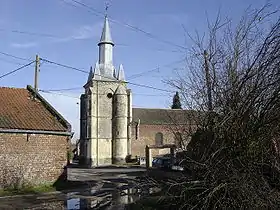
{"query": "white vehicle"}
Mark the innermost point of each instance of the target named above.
(178, 166)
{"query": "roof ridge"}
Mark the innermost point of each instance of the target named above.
(2, 87)
(162, 109)
(49, 107)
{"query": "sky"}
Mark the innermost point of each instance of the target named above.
(67, 33)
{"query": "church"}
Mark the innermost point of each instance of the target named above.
(110, 128)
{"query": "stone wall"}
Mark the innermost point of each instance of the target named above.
(31, 158)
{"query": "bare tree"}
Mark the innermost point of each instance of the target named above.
(233, 79)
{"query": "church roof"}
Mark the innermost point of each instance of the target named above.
(162, 116)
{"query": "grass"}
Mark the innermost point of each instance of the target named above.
(27, 190)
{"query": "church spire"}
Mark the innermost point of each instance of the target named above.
(106, 51)
(90, 75)
(106, 37)
(121, 73)
(96, 74)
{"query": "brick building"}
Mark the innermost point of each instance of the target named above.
(159, 127)
(34, 138)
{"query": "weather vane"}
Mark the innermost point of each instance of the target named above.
(106, 8)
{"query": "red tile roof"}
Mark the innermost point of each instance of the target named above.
(19, 110)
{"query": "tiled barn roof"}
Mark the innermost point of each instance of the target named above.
(19, 109)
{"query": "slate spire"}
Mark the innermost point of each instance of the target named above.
(90, 75)
(106, 37)
(96, 74)
(121, 73)
(106, 52)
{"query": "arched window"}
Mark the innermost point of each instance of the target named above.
(159, 138)
(178, 139)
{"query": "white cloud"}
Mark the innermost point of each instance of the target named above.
(24, 45)
(84, 32)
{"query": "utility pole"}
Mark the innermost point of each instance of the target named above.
(37, 69)
(209, 88)
(208, 82)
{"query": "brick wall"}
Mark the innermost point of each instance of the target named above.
(31, 158)
(147, 136)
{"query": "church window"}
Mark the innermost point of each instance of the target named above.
(88, 105)
(159, 138)
(109, 95)
(137, 131)
(88, 131)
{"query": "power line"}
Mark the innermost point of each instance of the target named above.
(12, 62)
(58, 37)
(150, 49)
(65, 66)
(17, 57)
(155, 69)
(143, 73)
(98, 13)
(120, 23)
(131, 77)
(65, 89)
(153, 95)
(13, 71)
(83, 71)
(48, 92)
(30, 33)
(151, 87)
(54, 91)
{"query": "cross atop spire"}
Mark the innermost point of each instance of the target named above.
(104, 68)
(106, 9)
(106, 45)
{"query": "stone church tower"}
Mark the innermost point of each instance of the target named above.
(106, 110)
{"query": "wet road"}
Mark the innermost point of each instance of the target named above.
(109, 188)
(95, 174)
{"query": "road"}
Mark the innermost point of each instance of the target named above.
(113, 187)
(92, 174)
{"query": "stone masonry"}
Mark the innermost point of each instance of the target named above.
(105, 109)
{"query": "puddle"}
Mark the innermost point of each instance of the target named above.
(73, 203)
(107, 199)
(112, 194)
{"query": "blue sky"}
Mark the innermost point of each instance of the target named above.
(76, 34)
